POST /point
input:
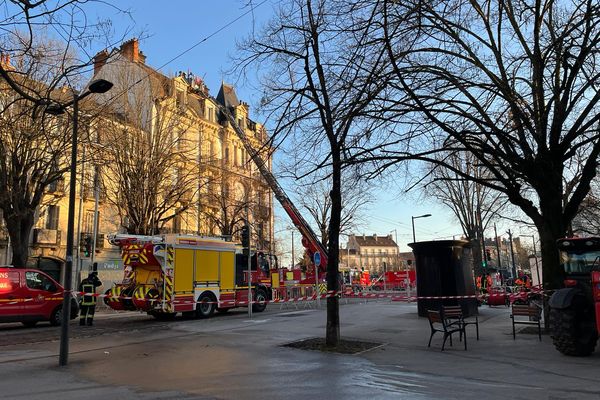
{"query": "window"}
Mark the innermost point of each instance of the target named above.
(226, 155)
(52, 214)
(88, 221)
(210, 114)
(37, 281)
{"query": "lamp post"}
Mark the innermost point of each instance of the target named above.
(413, 224)
(96, 86)
(537, 267)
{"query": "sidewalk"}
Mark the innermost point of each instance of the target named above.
(232, 357)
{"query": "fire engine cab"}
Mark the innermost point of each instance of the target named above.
(195, 275)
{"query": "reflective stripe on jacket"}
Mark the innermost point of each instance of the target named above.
(88, 300)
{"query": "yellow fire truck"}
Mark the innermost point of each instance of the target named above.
(195, 275)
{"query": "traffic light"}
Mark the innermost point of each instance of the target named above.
(245, 236)
(87, 246)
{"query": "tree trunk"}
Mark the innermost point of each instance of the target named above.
(332, 335)
(19, 229)
(478, 269)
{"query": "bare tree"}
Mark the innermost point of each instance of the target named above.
(150, 166)
(315, 199)
(474, 205)
(34, 69)
(322, 86)
(225, 206)
(515, 83)
(33, 144)
(26, 24)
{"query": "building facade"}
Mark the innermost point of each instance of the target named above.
(374, 253)
(216, 182)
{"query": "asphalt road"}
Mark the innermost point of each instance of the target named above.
(234, 357)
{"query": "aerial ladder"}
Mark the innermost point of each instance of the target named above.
(310, 241)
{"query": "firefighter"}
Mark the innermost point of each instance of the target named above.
(88, 302)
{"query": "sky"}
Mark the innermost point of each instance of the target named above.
(199, 36)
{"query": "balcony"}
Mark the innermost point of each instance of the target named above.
(46, 236)
(88, 194)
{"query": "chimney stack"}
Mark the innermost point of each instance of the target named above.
(131, 50)
(5, 61)
(100, 60)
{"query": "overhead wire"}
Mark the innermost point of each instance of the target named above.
(181, 54)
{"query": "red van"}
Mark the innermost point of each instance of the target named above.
(29, 296)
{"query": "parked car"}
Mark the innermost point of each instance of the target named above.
(498, 296)
(30, 296)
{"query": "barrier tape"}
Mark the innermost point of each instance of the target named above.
(328, 294)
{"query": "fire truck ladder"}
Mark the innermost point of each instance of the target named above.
(310, 240)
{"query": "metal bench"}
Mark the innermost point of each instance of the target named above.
(533, 314)
(439, 324)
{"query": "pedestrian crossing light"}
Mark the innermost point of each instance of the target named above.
(245, 237)
(87, 246)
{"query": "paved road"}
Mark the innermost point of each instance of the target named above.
(233, 357)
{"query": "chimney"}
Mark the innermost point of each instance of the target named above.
(100, 60)
(131, 50)
(375, 236)
(5, 61)
(142, 57)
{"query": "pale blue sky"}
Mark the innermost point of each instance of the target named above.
(174, 27)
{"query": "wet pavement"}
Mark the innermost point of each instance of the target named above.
(233, 357)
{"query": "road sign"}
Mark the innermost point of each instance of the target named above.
(317, 258)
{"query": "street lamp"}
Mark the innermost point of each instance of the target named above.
(537, 267)
(413, 224)
(96, 86)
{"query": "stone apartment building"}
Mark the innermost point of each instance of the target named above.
(371, 252)
(223, 180)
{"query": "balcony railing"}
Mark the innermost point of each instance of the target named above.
(46, 236)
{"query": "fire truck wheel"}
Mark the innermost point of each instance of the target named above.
(260, 298)
(573, 333)
(206, 305)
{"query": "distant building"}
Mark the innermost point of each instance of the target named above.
(372, 253)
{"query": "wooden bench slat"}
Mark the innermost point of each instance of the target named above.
(529, 311)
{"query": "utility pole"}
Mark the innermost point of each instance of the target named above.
(293, 254)
(498, 253)
(96, 201)
(249, 263)
(512, 254)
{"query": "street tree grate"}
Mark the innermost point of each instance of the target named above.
(345, 346)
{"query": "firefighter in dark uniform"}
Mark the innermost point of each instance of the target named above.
(88, 303)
